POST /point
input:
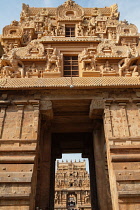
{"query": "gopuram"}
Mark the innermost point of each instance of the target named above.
(72, 186)
(70, 83)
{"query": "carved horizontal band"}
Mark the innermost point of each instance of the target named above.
(63, 82)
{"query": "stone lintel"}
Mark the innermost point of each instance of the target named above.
(126, 158)
(4, 103)
(128, 194)
(137, 100)
(122, 100)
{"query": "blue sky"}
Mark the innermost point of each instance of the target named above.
(10, 9)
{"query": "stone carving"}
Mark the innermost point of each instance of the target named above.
(107, 48)
(70, 10)
(33, 71)
(108, 69)
(127, 67)
(59, 31)
(27, 36)
(87, 198)
(24, 16)
(50, 30)
(12, 31)
(91, 30)
(101, 27)
(3, 81)
(53, 61)
(114, 11)
(87, 59)
(127, 29)
(35, 48)
(15, 67)
(56, 197)
(80, 29)
(112, 34)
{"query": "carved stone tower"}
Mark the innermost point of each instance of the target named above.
(70, 83)
(72, 186)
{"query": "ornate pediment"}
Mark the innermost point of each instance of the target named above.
(107, 48)
(33, 50)
(70, 11)
(125, 29)
(12, 31)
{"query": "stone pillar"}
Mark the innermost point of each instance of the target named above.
(108, 129)
(45, 167)
(102, 183)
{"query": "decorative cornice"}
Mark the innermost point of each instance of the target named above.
(63, 82)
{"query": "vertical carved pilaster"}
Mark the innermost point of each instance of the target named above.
(36, 120)
(138, 105)
(20, 108)
(3, 107)
(2, 119)
(108, 119)
(125, 119)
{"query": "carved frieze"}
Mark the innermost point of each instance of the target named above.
(40, 28)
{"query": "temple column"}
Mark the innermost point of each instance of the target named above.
(45, 167)
(102, 183)
(101, 172)
(45, 159)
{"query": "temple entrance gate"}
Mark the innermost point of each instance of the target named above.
(69, 81)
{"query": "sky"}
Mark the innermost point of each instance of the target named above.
(10, 9)
(73, 157)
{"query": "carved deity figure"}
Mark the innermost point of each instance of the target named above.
(87, 199)
(126, 65)
(15, 69)
(27, 36)
(33, 71)
(51, 30)
(56, 197)
(53, 62)
(80, 29)
(87, 59)
(84, 55)
(101, 27)
(59, 31)
(90, 30)
(107, 67)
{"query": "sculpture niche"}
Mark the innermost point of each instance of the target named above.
(88, 61)
(53, 61)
